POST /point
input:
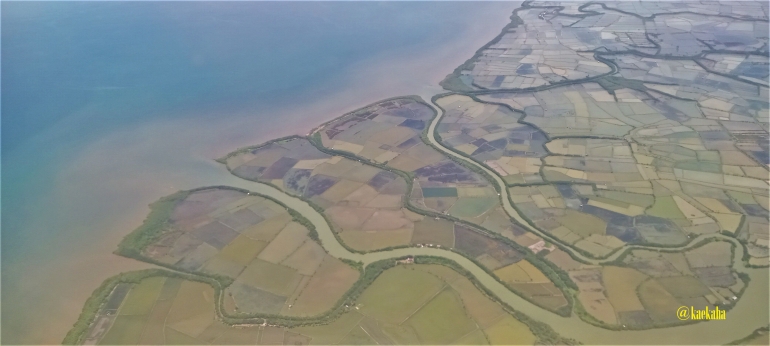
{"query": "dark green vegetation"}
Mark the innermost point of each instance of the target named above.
(152, 227)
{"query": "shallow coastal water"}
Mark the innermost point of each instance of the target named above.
(103, 116)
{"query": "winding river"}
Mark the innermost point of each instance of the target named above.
(749, 313)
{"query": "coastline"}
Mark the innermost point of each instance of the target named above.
(108, 187)
(202, 146)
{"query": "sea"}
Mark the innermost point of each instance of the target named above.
(107, 106)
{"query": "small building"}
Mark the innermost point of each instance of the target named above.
(408, 260)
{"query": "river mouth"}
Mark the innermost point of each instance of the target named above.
(745, 317)
(76, 189)
(740, 321)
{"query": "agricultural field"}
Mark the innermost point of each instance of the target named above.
(530, 282)
(219, 231)
(690, 132)
(274, 264)
(599, 221)
(492, 134)
(407, 304)
(659, 153)
(536, 53)
(430, 304)
(678, 176)
(365, 204)
(633, 136)
(595, 218)
(390, 133)
(553, 42)
(750, 68)
(163, 310)
(440, 184)
(508, 265)
(363, 223)
(718, 148)
(748, 11)
(647, 287)
(657, 169)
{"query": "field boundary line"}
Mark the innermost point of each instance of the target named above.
(443, 287)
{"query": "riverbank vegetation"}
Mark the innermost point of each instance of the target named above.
(163, 307)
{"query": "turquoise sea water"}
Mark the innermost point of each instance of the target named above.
(105, 65)
(149, 58)
(75, 72)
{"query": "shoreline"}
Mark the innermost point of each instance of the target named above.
(186, 152)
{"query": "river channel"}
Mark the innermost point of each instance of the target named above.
(749, 313)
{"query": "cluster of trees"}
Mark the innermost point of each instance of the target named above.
(154, 225)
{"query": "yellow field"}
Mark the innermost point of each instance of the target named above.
(409, 289)
(535, 275)
(142, 297)
(442, 320)
(478, 306)
(597, 304)
(583, 224)
(242, 249)
(274, 278)
(331, 280)
(268, 229)
(660, 305)
(509, 331)
(521, 272)
(475, 337)
(290, 238)
(193, 308)
(513, 274)
(306, 258)
(621, 284)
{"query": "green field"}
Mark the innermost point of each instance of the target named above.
(684, 286)
(469, 207)
(660, 305)
(583, 224)
(442, 320)
(432, 231)
(429, 192)
(274, 278)
(142, 297)
(408, 289)
(509, 331)
(475, 337)
(621, 284)
(126, 330)
(666, 208)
